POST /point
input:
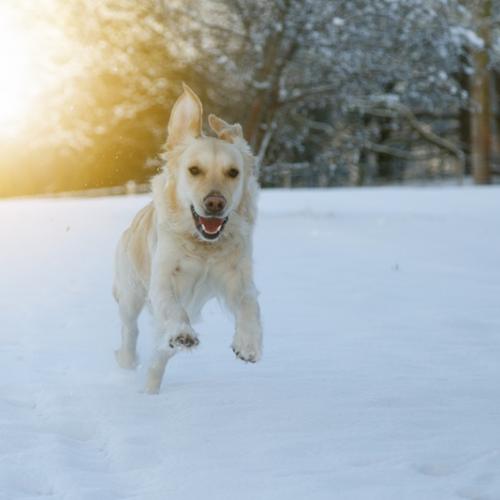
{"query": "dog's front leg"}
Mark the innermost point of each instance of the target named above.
(173, 329)
(242, 298)
(247, 341)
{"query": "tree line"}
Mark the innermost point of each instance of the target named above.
(328, 92)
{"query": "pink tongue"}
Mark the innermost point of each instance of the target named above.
(212, 225)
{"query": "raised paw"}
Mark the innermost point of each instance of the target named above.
(184, 340)
(248, 352)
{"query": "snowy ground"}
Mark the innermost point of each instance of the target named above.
(380, 380)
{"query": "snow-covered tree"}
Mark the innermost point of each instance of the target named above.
(342, 84)
(328, 91)
(104, 94)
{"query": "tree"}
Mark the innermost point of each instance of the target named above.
(302, 68)
(328, 91)
(481, 96)
(104, 95)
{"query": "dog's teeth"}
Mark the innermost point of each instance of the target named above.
(210, 232)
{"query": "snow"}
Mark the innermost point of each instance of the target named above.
(471, 38)
(380, 378)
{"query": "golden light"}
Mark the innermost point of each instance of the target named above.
(19, 82)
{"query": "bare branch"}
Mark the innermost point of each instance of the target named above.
(396, 153)
(394, 110)
(315, 91)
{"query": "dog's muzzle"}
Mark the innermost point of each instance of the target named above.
(210, 228)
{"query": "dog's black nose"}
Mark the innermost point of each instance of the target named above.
(214, 203)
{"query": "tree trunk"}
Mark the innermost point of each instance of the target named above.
(496, 123)
(481, 102)
(385, 162)
(464, 119)
(265, 99)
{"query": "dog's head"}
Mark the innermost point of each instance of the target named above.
(207, 175)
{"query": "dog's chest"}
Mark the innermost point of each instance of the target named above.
(196, 281)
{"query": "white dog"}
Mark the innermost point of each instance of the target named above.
(192, 242)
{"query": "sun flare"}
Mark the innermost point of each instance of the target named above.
(18, 79)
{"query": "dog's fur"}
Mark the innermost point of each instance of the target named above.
(164, 259)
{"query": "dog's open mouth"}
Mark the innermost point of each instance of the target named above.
(209, 227)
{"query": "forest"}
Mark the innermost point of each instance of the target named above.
(329, 92)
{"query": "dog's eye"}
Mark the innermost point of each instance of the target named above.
(233, 172)
(194, 170)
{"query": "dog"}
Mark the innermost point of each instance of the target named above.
(193, 242)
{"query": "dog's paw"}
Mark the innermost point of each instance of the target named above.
(184, 340)
(126, 360)
(249, 351)
(152, 386)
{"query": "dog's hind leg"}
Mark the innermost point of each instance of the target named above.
(130, 304)
(157, 369)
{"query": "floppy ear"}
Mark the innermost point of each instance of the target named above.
(224, 130)
(185, 118)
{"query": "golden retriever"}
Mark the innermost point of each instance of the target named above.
(192, 242)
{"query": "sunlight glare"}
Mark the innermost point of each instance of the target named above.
(18, 81)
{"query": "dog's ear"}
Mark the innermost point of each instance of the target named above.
(185, 119)
(224, 130)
